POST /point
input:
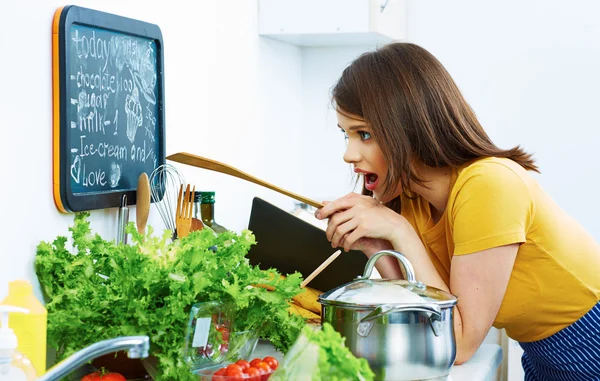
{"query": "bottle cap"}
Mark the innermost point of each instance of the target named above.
(197, 196)
(8, 339)
(208, 197)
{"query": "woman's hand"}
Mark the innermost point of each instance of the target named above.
(358, 222)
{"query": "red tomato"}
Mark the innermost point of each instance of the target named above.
(224, 332)
(233, 368)
(264, 369)
(272, 361)
(234, 373)
(220, 372)
(253, 374)
(255, 361)
(243, 364)
(98, 376)
(219, 375)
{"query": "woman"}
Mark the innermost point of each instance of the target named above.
(467, 214)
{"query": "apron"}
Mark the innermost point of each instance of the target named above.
(571, 354)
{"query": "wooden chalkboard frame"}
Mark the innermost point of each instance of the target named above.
(64, 198)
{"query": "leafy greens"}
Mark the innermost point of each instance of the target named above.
(322, 354)
(96, 289)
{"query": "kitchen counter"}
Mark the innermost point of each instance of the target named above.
(482, 366)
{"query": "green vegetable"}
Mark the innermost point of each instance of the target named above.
(322, 354)
(96, 289)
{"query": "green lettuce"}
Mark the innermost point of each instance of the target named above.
(322, 355)
(96, 289)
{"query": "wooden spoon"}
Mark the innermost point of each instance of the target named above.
(202, 162)
(142, 209)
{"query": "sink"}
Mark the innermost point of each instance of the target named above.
(135, 346)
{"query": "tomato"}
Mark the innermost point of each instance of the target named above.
(224, 332)
(253, 374)
(234, 373)
(219, 375)
(272, 361)
(220, 372)
(255, 361)
(243, 364)
(100, 376)
(264, 369)
(233, 368)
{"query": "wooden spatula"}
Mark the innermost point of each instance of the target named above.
(142, 204)
(202, 162)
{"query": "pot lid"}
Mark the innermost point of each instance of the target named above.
(374, 292)
(365, 292)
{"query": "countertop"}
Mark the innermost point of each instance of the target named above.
(481, 367)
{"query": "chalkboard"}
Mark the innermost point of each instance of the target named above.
(108, 105)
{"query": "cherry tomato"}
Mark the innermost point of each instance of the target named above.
(243, 364)
(253, 374)
(233, 376)
(233, 368)
(224, 332)
(219, 375)
(272, 361)
(220, 372)
(255, 361)
(99, 376)
(264, 369)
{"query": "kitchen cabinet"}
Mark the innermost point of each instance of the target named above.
(317, 23)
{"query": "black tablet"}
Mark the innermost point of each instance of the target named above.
(288, 244)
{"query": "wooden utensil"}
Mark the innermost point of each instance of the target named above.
(142, 204)
(202, 162)
(183, 217)
(196, 225)
(321, 267)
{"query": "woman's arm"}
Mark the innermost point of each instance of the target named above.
(479, 280)
(387, 266)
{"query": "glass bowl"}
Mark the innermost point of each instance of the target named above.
(241, 345)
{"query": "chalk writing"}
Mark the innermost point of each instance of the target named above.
(113, 92)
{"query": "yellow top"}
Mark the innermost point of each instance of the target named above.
(495, 202)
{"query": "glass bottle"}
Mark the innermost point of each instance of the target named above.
(207, 211)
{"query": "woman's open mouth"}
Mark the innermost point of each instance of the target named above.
(371, 181)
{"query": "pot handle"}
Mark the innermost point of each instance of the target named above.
(408, 269)
(366, 323)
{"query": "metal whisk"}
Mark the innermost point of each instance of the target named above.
(165, 182)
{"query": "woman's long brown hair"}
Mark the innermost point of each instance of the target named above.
(415, 111)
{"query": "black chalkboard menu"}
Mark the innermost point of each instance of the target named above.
(108, 107)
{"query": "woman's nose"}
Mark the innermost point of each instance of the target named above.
(351, 155)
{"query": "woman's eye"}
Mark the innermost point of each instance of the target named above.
(364, 135)
(345, 134)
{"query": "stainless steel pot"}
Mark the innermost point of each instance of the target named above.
(409, 339)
